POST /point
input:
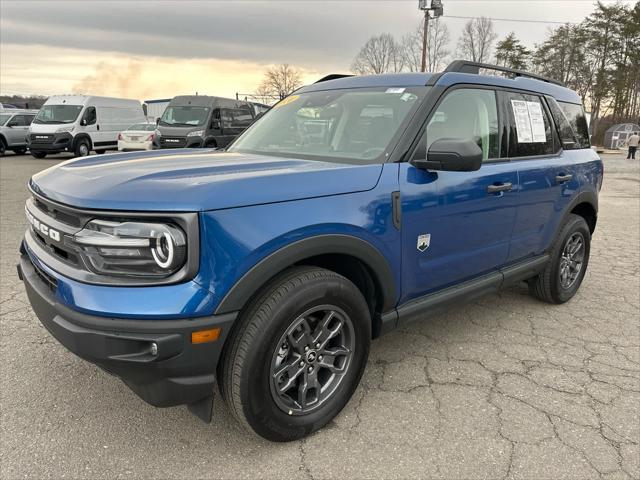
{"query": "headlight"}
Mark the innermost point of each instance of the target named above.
(68, 128)
(149, 250)
(197, 133)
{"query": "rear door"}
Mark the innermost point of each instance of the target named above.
(457, 225)
(547, 172)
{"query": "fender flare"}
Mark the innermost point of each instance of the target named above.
(237, 297)
(586, 196)
(81, 136)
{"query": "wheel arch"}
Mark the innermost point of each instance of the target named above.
(352, 257)
(585, 205)
(81, 136)
(210, 142)
(3, 140)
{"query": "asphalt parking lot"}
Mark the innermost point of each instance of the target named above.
(505, 387)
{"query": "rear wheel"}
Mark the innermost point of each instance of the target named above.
(298, 354)
(567, 265)
(100, 152)
(38, 154)
(82, 148)
(20, 151)
(3, 148)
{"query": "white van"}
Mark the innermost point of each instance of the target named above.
(81, 123)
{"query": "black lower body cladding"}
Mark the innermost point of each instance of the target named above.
(179, 373)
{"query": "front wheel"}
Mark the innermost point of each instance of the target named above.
(82, 148)
(20, 151)
(568, 261)
(38, 154)
(298, 354)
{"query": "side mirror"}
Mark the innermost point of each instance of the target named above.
(12, 124)
(451, 155)
(83, 122)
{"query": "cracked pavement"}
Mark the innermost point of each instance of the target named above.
(505, 387)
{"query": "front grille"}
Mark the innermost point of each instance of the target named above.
(41, 138)
(62, 220)
(48, 280)
(173, 142)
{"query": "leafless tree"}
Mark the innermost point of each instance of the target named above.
(477, 39)
(437, 44)
(380, 54)
(280, 80)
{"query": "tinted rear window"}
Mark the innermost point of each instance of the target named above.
(578, 121)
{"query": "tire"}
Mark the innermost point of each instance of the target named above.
(260, 342)
(83, 148)
(3, 148)
(551, 286)
(100, 152)
(38, 154)
(19, 151)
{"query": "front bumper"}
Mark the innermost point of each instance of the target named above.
(50, 143)
(180, 372)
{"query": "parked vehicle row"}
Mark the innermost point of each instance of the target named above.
(80, 124)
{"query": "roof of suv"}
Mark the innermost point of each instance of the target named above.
(555, 90)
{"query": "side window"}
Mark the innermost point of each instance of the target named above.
(242, 118)
(466, 114)
(227, 118)
(530, 129)
(17, 121)
(89, 116)
(567, 137)
(578, 120)
(28, 119)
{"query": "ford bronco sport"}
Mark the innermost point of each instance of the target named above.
(353, 206)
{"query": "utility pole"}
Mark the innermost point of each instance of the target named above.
(437, 9)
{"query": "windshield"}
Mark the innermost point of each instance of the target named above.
(58, 114)
(4, 117)
(352, 124)
(184, 116)
(144, 127)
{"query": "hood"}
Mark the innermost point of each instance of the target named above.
(179, 131)
(195, 180)
(48, 127)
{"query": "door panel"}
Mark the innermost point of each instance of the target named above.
(543, 198)
(469, 228)
(466, 218)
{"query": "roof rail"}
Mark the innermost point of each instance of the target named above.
(466, 66)
(333, 76)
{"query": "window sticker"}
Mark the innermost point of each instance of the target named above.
(394, 90)
(286, 101)
(537, 122)
(523, 122)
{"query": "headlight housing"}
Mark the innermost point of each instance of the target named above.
(67, 129)
(197, 133)
(131, 248)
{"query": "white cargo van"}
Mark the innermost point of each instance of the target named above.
(81, 123)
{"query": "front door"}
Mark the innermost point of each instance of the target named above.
(457, 225)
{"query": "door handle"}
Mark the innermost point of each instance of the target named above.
(502, 187)
(563, 178)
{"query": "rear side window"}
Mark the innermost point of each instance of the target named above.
(567, 135)
(467, 113)
(578, 121)
(529, 130)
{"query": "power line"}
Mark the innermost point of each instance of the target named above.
(519, 20)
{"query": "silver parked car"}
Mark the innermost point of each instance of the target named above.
(14, 127)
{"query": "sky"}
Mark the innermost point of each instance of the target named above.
(149, 49)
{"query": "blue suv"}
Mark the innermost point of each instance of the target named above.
(354, 206)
